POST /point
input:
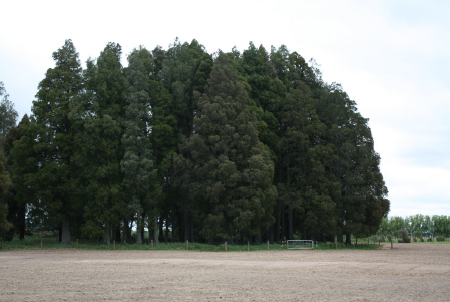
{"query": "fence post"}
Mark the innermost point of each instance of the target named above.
(187, 245)
(114, 245)
(248, 245)
(2, 245)
(268, 247)
(335, 243)
(287, 244)
(23, 242)
(77, 243)
(151, 244)
(313, 245)
(226, 247)
(41, 244)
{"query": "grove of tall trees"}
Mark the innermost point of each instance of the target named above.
(191, 146)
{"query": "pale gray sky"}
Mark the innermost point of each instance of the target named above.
(391, 57)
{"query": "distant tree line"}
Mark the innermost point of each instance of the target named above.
(427, 226)
(190, 146)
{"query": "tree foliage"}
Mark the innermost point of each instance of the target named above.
(8, 115)
(54, 135)
(228, 168)
(193, 146)
(428, 226)
(5, 185)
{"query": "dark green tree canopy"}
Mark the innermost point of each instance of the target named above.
(8, 115)
(249, 145)
(231, 171)
(55, 134)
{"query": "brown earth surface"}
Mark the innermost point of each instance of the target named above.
(409, 272)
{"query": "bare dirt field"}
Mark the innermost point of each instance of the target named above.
(409, 272)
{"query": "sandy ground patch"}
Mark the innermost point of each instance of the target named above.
(409, 272)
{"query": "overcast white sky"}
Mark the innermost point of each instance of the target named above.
(391, 57)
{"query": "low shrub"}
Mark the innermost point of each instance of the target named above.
(403, 234)
(440, 238)
(421, 239)
(430, 239)
(415, 239)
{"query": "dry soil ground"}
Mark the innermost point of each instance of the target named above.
(409, 272)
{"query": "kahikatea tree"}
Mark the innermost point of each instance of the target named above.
(55, 135)
(305, 185)
(223, 165)
(17, 153)
(362, 202)
(105, 103)
(266, 90)
(5, 186)
(164, 145)
(185, 69)
(137, 163)
(8, 115)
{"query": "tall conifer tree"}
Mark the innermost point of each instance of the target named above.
(18, 153)
(224, 165)
(186, 68)
(8, 115)
(306, 186)
(105, 102)
(137, 163)
(52, 111)
(362, 202)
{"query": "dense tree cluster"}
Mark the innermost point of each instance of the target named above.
(190, 146)
(427, 226)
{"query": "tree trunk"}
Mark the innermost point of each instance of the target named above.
(166, 233)
(65, 230)
(191, 230)
(291, 223)
(290, 216)
(348, 238)
(186, 225)
(125, 231)
(22, 217)
(130, 227)
(160, 225)
(117, 234)
(180, 228)
(155, 233)
(138, 228)
(113, 233)
(107, 235)
(277, 223)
